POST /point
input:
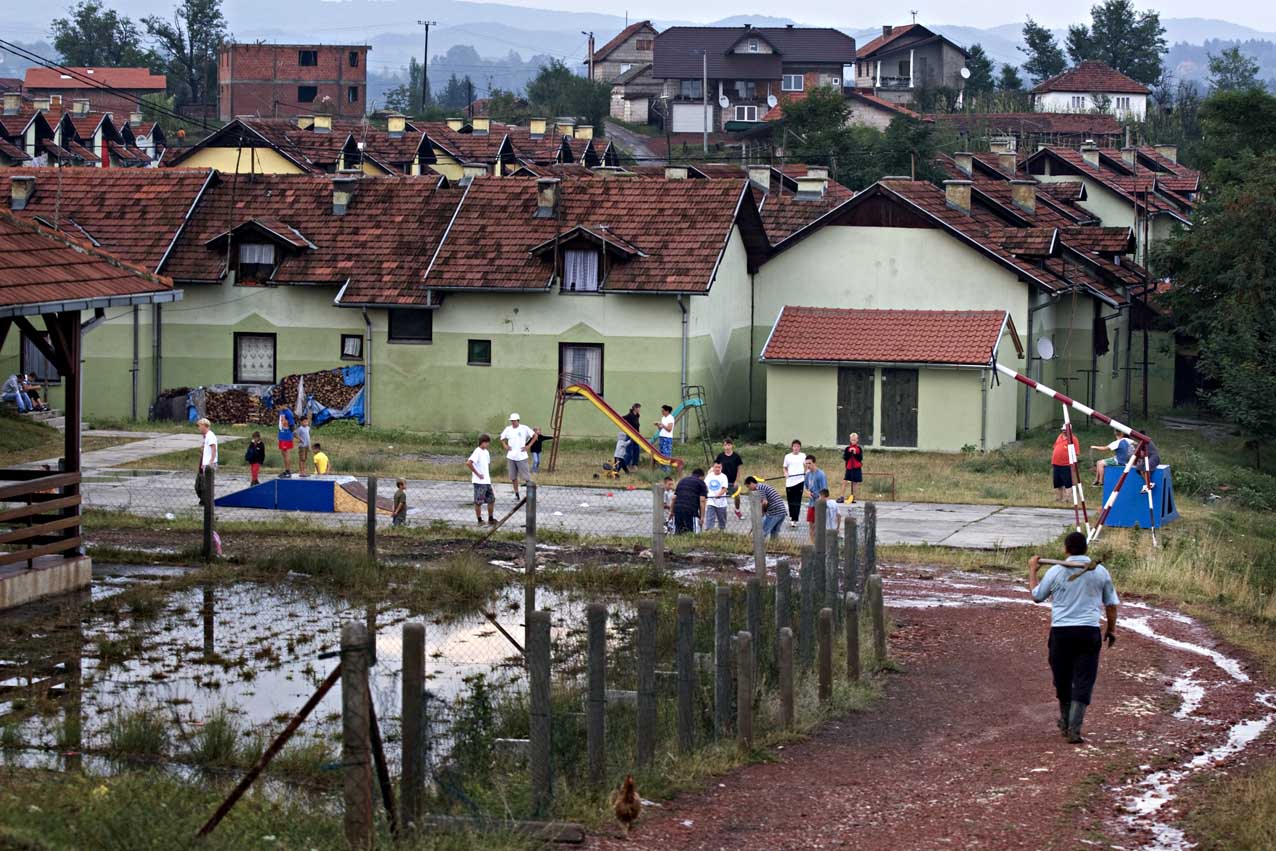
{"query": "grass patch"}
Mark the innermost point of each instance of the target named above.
(23, 440)
(216, 743)
(1238, 812)
(138, 734)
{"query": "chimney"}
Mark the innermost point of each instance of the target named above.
(481, 126)
(964, 161)
(471, 171)
(81, 106)
(957, 194)
(760, 176)
(41, 103)
(536, 127)
(1024, 194)
(21, 188)
(676, 172)
(810, 187)
(565, 126)
(1007, 162)
(323, 124)
(396, 125)
(343, 189)
(12, 103)
(55, 100)
(584, 131)
(455, 124)
(1170, 152)
(546, 198)
(135, 118)
(1130, 156)
(1090, 153)
(1000, 146)
(887, 29)
(305, 122)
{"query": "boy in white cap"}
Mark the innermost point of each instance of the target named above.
(515, 438)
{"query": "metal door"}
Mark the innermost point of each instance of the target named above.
(855, 403)
(899, 407)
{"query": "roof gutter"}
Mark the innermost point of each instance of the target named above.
(916, 364)
(43, 307)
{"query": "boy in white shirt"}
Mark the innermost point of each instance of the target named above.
(515, 438)
(207, 456)
(664, 437)
(794, 480)
(717, 484)
(480, 465)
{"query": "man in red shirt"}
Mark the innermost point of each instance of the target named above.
(853, 455)
(1061, 464)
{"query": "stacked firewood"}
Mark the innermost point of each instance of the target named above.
(235, 406)
(327, 387)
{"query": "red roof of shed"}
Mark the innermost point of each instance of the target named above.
(853, 335)
(95, 78)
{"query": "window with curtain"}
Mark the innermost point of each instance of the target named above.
(580, 363)
(256, 261)
(351, 347)
(254, 358)
(689, 88)
(580, 271)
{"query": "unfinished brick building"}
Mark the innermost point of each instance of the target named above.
(286, 80)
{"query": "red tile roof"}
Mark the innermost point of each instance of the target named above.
(39, 265)
(133, 213)
(852, 335)
(883, 40)
(1089, 125)
(1091, 76)
(12, 151)
(1115, 176)
(679, 227)
(784, 213)
(94, 78)
(601, 53)
(1100, 240)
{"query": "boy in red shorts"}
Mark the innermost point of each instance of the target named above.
(286, 424)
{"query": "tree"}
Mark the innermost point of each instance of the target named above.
(457, 94)
(507, 107)
(1131, 42)
(557, 90)
(94, 36)
(1238, 129)
(1010, 80)
(1045, 59)
(189, 44)
(823, 109)
(1232, 70)
(981, 70)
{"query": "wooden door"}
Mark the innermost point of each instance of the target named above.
(855, 403)
(899, 407)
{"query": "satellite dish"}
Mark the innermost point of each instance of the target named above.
(965, 73)
(1045, 348)
(724, 101)
(772, 100)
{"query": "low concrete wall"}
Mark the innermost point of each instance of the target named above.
(50, 576)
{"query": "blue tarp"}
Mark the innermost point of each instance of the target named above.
(352, 375)
(352, 411)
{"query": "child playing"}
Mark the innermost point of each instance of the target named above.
(287, 422)
(399, 516)
(853, 455)
(669, 505)
(255, 456)
(830, 512)
(303, 444)
(664, 437)
(618, 462)
(320, 459)
(480, 464)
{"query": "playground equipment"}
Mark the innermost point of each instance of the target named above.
(1140, 455)
(345, 495)
(693, 397)
(569, 388)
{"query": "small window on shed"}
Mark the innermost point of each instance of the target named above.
(307, 94)
(307, 58)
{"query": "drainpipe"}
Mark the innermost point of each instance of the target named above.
(367, 369)
(159, 349)
(983, 410)
(136, 310)
(685, 308)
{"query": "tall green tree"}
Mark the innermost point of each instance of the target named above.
(557, 90)
(1232, 70)
(981, 69)
(1010, 81)
(1045, 59)
(94, 36)
(1132, 42)
(457, 94)
(1238, 130)
(188, 44)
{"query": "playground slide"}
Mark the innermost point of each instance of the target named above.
(644, 444)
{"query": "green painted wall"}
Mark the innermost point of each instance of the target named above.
(801, 402)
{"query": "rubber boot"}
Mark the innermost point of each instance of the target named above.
(1065, 707)
(1075, 719)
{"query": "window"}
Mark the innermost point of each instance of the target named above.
(1078, 101)
(307, 58)
(753, 45)
(689, 89)
(746, 113)
(411, 326)
(1116, 355)
(624, 67)
(254, 358)
(307, 94)
(905, 68)
(256, 261)
(352, 347)
(580, 271)
(644, 44)
(746, 89)
(354, 59)
(1123, 103)
(478, 353)
(580, 363)
(791, 83)
(36, 364)
(352, 94)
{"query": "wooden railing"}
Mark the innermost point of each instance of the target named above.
(46, 519)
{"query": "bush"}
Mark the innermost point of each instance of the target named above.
(1193, 474)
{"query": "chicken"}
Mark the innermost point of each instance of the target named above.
(626, 804)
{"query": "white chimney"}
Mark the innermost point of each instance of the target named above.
(455, 124)
(810, 187)
(1090, 153)
(546, 197)
(21, 188)
(964, 161)
(1130, 156)
(481, 126)
(676, 172)
(1024, 194)
(12, 103)
(343, 189)
(957, 194)
(305, 122)
(536, 127)
(1007, 162)
(80, 106)
(470, 171)
(584, 131)
(41, 103)
(760, 176)
(395, 126)
(135, 118)
(1170, 152)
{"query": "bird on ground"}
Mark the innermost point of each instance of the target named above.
(626, 804)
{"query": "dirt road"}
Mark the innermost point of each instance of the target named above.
(962, 752)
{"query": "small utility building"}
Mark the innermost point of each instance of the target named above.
(902, 379)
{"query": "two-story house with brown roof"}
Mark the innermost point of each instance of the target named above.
(631, 48)
(904, 59)
(732, 76)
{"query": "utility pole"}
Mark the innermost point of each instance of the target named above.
(1147, 285)
(425, 61)
(591, 54)
(704, 97)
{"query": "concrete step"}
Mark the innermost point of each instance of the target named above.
(58, 423)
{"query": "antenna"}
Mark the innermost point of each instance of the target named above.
(913, 12)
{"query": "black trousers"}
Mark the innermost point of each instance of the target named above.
(1074, 661)
(684, 521)
(794, 495)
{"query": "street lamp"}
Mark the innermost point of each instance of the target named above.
(704, 96)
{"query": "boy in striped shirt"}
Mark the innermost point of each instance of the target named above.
(774, 508)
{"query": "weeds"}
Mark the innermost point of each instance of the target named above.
(216, 743)
(137, 734)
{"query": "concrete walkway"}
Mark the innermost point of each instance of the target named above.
(148, 445)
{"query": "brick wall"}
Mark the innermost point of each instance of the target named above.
(263, 79)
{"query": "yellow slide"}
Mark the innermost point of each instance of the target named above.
(644, 444)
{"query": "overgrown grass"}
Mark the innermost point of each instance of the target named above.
(215, 744)
(23, 440)
(139, 733)
(1238, 812)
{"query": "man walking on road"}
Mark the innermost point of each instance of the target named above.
(1076, 589)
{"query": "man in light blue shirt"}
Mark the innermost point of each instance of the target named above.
(815, 482)
(1077, 590)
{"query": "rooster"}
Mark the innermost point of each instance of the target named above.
(626, 804)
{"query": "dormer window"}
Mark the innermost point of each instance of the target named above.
(753, 45)
(256, 261)
(580, 270)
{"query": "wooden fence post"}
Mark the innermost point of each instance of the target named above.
(826, 655)
(539, 745)
(820, 542)
(878, 613)
(658, 515)
(753, 618)
(529, 532)
(759, 539)
(744, 691)
(356, 749)
(783, 602)
(412, 721)
(208, 550)
(686, 672)
(831, 565)
(596, 712)
(870, 538)
(372, 519)
(806, 617)
(786, 677)
(851, 554)
(721, 660)
(852, 623)
(646, 682)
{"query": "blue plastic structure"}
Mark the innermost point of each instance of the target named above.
(1131, 508)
